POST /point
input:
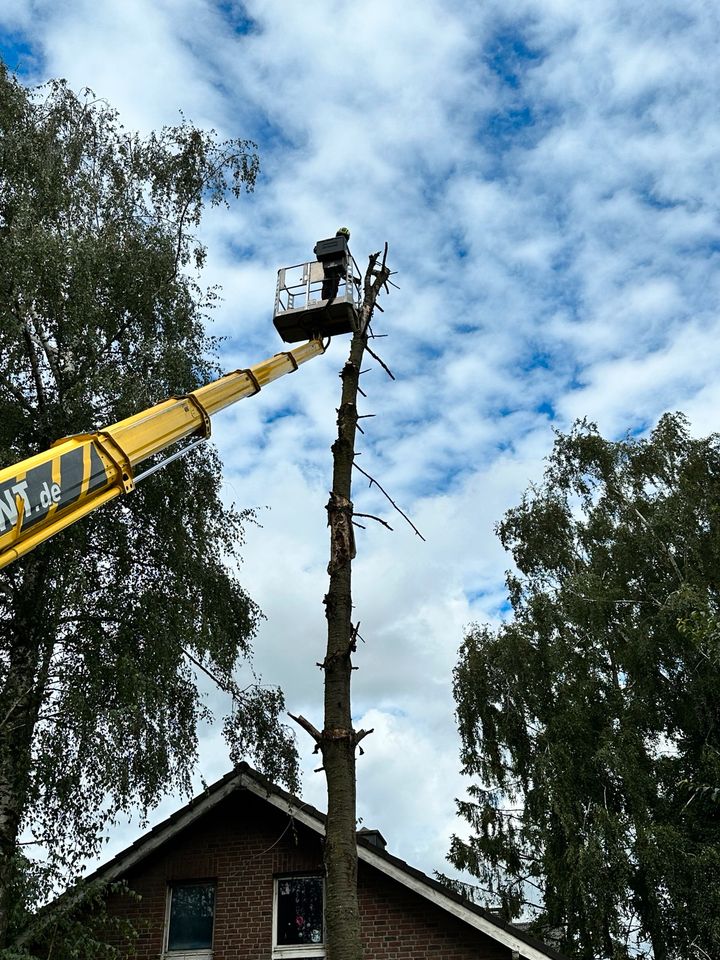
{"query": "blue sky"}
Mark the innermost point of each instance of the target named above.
(547, 175)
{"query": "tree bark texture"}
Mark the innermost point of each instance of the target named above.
(338, 741)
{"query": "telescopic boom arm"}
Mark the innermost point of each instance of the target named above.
(47, 492)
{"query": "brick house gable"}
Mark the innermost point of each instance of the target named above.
(243, 832)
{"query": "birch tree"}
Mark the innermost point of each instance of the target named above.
(103, 630)
(590, 720)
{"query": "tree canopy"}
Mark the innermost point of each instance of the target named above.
(589, 720)
(104, 628)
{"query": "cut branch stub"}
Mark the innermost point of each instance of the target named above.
(330, 735)
(343, 654)
(307, 727)
(338, 733)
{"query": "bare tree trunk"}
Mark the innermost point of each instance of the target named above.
(338, 737)
(338, 740)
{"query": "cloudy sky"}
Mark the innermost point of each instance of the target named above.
(546, 174)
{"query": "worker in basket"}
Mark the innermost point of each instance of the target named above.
(331, 282)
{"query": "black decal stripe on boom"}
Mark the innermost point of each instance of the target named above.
(39, 481)
(98, 473)
(71, 476)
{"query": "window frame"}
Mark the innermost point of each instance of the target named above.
(296, 950)
(203, 953)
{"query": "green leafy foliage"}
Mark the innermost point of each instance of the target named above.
(590, 718)
(77, 926)
(105, 629)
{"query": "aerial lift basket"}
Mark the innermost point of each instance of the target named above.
(320, 298)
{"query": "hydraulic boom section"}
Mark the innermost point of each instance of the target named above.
(47, 492)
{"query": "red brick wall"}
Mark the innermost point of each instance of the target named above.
(241, 845)
(398, 924)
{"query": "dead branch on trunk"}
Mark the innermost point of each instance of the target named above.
(373, 482)
(385, 367)
(307, 727)
(371, 516)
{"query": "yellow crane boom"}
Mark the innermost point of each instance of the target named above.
(47, 492)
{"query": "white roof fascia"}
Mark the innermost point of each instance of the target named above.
(500, 934)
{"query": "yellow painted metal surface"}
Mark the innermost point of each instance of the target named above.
(47, 492)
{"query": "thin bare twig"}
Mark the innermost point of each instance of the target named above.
(385, 271)
(370, 516)
(387, 495)
(699, 950)
(385, 367)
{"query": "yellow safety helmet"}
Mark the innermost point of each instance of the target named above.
(343, 232)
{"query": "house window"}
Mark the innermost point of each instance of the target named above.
(298, 928)
(191, 914)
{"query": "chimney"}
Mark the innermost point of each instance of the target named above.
(374, 837)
